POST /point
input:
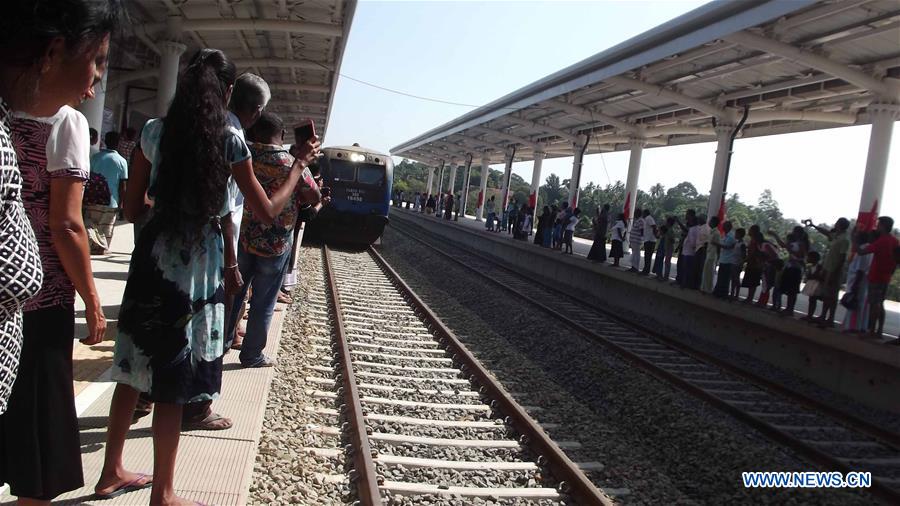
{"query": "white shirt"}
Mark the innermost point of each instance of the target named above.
(703, 238)
(573, 220)
(235, 197)
(618, 231)
(64, 147)
(649, 223)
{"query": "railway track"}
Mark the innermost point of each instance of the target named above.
(422, 417)
(830, 438)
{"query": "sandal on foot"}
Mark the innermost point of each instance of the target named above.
(209, 423)
(132, 486)
(137, 415)
(263, 361)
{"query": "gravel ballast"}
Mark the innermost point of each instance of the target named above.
(284, 472)
(657, 444)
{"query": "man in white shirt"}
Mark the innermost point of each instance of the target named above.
(649, 241)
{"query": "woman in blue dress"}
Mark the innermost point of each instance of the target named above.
(171, 326)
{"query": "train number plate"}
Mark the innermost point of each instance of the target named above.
(354, 195)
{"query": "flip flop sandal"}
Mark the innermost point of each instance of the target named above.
(137, 415)
(132, 486)
(206, 423)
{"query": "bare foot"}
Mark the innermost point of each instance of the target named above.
(110, 484)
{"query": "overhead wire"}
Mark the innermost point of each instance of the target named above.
(602, 160)
(418, 97)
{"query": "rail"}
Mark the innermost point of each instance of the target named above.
(366, 475)
(888, 439)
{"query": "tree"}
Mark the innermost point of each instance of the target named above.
(552, 192)
(767, 214)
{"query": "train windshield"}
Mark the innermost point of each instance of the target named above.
(342, 170)
(370, 174)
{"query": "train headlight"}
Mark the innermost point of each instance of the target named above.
(356, 157)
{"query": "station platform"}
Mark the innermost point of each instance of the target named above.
(213, 467)
(863, 368)
(581, 247)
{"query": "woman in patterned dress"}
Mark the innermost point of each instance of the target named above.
(52, 53)
(171, 325)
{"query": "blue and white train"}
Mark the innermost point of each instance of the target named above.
(360, 180)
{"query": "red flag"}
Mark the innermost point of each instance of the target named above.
(721, 215)
(627, 210)
(532, 200)
(480, 199)
(865, 220)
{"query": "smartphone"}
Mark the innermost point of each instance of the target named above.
(304, 131)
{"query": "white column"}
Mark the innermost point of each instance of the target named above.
(93, 108)
(507, 173)
(482, 195)
(535, 186)
(883, 117)
(717, 190)
(441, 180)
(467, 175)
(634, 172)
(169, 56)
(430, 180)
(575, 180)
(452, 184)
(535, 179)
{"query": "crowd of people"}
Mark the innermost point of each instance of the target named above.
(216, 201)
(720, 259)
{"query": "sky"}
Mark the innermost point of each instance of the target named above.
(472, 52)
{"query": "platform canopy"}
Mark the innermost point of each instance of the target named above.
(295, 45)
(797, 65)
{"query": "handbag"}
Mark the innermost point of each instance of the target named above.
(850, 300)
(96, 190)
(811, 288)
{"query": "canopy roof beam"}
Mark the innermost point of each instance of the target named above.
(503, 135)
(680, 98)
(298, 103)
(451, 147)
(541, 126)
(485, 145)
(315, 88)
(445, 154)
(582, 111)
(285, 63)
(885, 88)
(261, 25)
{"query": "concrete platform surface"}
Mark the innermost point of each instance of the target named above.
(213, 467)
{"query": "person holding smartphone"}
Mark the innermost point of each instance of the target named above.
(171, 325)
(265, 249)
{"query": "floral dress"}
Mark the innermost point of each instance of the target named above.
(171, 324)
(21, 275)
